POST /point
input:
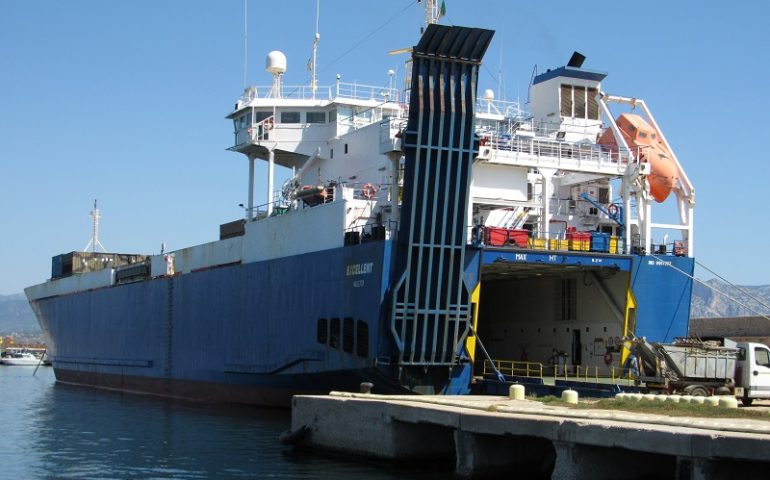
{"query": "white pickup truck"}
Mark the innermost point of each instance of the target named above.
(752, 372)
(691, 366)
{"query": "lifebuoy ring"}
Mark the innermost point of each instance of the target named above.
(368, 191)
(612, 209)
(607, 358)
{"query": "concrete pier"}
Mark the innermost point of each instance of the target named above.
(495, 436)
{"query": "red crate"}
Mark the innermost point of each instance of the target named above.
(518, 236)
(500, 236)
(495, 236)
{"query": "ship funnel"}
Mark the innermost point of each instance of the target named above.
(576, 60)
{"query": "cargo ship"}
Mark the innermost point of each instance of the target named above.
(424, 233)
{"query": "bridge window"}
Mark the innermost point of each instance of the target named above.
(289, 117)
(316, 117)
(332, 115)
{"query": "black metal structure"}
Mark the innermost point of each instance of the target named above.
(431, 307)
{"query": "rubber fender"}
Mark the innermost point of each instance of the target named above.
(294, 437)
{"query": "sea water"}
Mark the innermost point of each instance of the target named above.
(51, 430)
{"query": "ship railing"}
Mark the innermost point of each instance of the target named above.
(344, 90)
(485, 236)
(260, 131)
(355, 91)
(520, 123)
(507, 109)
(259, 212)
(594, 374)
(574, 373)
(370, 191)
(580, 152)
(515, 368)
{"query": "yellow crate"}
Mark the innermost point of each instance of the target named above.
(559, 244)
(580, 245)
(613, 244)
(537, 243)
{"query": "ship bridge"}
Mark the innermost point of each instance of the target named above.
(296, 121)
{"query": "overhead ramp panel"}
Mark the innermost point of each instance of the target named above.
(431, 307)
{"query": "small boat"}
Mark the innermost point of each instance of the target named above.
(23, 359)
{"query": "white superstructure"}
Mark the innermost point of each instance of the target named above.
(542, 170)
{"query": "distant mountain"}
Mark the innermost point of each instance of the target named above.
(16, 315)
(718, 299)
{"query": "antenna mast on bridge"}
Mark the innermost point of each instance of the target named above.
(94, 242)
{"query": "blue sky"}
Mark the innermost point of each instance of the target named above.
(125, 102)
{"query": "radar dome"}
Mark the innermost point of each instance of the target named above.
(489, 95)
(275, 62)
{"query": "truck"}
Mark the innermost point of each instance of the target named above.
(697, 367)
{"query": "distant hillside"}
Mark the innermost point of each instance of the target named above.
(706, 302)
(16, 316)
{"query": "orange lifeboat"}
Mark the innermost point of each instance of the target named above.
(647, 146)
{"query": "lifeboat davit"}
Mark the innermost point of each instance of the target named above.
(644, 141)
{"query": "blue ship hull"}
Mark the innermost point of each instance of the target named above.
(249, 333)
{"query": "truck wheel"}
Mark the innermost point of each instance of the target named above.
(747, 401)
(699, 391)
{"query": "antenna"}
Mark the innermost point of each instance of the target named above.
(500, 74)
(313, 61)
(94, 242)
(245, 42)
(432, 12)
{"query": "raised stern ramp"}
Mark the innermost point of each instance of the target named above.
(431, 310)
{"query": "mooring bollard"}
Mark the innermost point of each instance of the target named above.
(366, 387)
(516, 392)
(570, 396)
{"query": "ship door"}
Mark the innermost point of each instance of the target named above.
(576, 347)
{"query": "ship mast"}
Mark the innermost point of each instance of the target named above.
(313, 61)
(94, 242)
(433, 12)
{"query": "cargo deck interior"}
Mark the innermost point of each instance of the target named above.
(566, 314)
